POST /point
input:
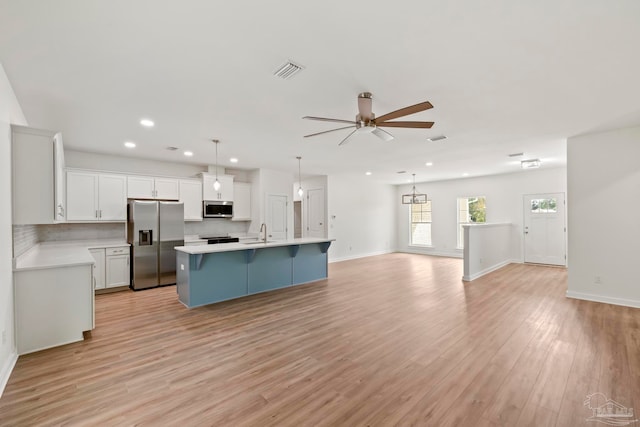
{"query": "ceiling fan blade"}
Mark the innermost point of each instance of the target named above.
(344, 141)
(327, 131)
(405, 111)
(324, 119)
(382, 134)
(421, 125)
(364, 105)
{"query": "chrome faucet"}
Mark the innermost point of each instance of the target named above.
(264, 227)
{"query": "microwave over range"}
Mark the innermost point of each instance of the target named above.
(217, 209)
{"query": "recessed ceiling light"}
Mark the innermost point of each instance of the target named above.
(188, 153)
(465, 174)
(233, 160)
(429, 164)
(130, 144)
(367, 173)
(147, 123)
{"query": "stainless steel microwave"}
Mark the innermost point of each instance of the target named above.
(217, 209)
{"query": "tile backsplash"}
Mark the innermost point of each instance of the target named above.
(216, 227)
(24, 238)
(90, 231)
(27, 236)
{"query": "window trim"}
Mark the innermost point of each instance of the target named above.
(459, 225)
(418, 245)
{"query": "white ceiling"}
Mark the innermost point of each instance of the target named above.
(503, 77)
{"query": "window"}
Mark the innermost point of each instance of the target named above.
(471, 210)
(544, 206)
(421, 224)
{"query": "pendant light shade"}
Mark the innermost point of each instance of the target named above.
(216, 184)
(414, 198)
(300, 190)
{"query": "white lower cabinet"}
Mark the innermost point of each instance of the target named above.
(53, 306)
(111, 268)
(117, 267)
(98, 268)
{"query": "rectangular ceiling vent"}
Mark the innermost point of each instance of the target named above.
(288, 70)
(436, 138)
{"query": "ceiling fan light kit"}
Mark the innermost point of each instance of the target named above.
(414, 198)
(366, 121)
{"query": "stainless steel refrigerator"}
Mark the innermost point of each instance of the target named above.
(154, 228)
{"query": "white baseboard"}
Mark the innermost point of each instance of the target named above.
(6, 371)
(452, 254)
(368, 254)
(486, 271)
(604, 299)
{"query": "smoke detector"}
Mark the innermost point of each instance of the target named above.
(530, 164)
(436, 138)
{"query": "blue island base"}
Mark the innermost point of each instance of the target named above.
(206, 278)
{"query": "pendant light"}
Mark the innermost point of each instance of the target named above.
(216, 184)
(300, 190)
(414, 198)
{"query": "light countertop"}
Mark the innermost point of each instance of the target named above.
(228, 247)
(62, 254)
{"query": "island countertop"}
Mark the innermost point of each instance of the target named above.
(229, 247)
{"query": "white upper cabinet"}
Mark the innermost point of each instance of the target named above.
(167, 188)
(241, 201)
(225, 192)
(112, 197)
(148, 187)
(140, 187)
(60, 178)
(191, 196)
(96, 197)
(37, 176)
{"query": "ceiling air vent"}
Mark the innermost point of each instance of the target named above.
(172, 148)
(288, 70)
(436, 138)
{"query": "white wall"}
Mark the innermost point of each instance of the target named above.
(311, 183)
(111, 163)
(604, 201)
(263, 183)
(504, 197)
(487, 247)
(361, 217)
(10, 113)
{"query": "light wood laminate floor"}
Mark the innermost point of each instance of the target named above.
(395, 339)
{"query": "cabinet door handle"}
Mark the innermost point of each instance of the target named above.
(96, 213)
(100, 213)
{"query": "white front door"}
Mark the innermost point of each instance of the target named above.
(315, 213)
(544, 229)
(276, 216)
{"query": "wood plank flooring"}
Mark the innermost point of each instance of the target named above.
(395, 339)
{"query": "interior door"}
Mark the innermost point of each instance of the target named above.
(544, 229)
(276, 216)
(315, 213)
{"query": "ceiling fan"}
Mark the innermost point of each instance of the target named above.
(367, 122)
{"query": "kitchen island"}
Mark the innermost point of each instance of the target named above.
(212, 273)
